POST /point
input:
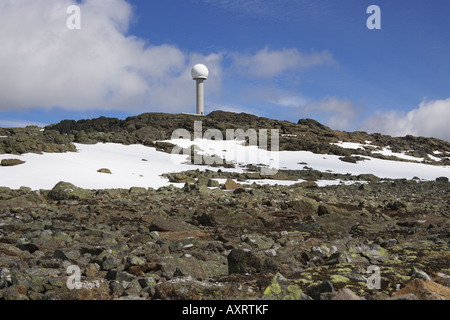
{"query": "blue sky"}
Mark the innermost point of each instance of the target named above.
(283, 59)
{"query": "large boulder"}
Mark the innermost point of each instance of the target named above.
(231, 185)
(67, 191)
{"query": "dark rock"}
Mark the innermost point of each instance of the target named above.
(243, 261)
(116, 289)
(122, 277)
(67, 254)
(239, 191)
(323, 210)
(322, 291)
(111, 263)
(30, 247)
(349, 159)
(49, 263)
(133, 288)
(397, 205)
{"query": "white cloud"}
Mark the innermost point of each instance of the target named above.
(44, 64)
(430, 119)
(270, 63)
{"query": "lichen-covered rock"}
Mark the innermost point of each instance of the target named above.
(360, 253)
(67, 191)
(138, 191)
(258, 241)
(5, 193)
(234, 218)
(282, 289)
(213, 183)
(187, 288)
(304, 206)
(173, 265)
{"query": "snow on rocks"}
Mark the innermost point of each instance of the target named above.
(129, 169)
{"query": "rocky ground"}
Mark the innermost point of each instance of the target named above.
(228, 241)
(216, 241)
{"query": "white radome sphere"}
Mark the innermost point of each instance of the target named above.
(200, 71)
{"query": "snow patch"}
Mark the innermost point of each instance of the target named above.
(44, 171)
(388, 152)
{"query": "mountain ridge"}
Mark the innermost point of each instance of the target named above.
(149, 128)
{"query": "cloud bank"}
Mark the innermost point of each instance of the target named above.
(430, 119)
(44, 64)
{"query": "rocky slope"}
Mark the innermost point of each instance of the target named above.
(232, 242)
(212, 241)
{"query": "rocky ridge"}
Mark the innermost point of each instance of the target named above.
(149, 128)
